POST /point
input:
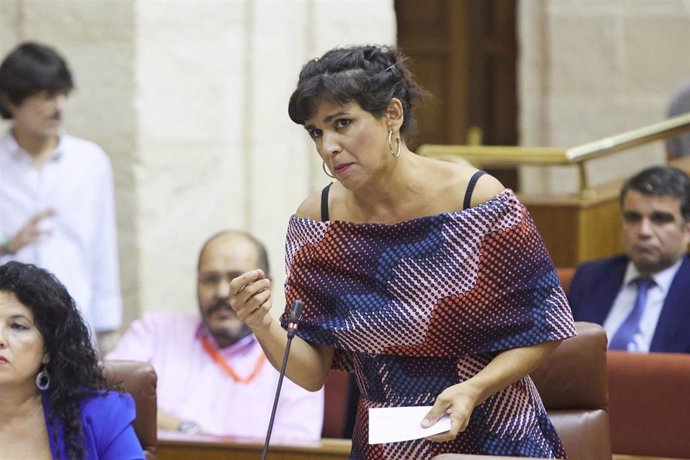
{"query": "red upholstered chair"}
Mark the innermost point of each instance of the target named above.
(138, 379)
(338, 407)
(649, 403)
(565, 274)
(573, 386)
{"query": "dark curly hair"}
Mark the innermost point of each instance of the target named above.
(370, 75)
(30, 68)
(73, 367)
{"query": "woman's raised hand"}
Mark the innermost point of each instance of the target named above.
(250, 297)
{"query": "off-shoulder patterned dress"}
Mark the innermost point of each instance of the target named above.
(415, 307)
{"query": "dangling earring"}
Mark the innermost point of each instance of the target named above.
(43, 380)
(323, 166)
(396, 152)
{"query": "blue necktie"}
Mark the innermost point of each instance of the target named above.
(631, 326)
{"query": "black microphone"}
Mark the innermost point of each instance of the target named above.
(293, 323)
(293, 319)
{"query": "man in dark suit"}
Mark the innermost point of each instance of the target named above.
(642, 298)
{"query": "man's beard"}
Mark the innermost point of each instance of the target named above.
(220, 305)
(226, 336)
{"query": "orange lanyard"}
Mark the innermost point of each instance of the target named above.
(211, 350)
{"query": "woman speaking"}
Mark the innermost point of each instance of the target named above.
(426, 279)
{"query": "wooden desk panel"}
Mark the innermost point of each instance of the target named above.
(172, 446)
(491, 457)
(576, 229)
(480, 457)
(639, 457)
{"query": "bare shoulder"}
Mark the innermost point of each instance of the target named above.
(487, 187)
(310, 207)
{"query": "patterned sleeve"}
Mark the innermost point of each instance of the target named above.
(476, 281)
(518, 288)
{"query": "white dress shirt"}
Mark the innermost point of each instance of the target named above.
(81, 249)
(625, 301)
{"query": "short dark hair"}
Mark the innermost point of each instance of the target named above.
(661, 181)
(73, 367)
(261, 252)
(370, 75)
(30, 68)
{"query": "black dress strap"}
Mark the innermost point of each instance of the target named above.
(324, 202)
(470, 189)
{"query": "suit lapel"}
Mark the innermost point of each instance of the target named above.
(609, 287)
(671, 334)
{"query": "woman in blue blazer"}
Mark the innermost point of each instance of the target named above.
(54, 401)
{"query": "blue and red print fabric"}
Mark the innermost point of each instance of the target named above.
(419, 306)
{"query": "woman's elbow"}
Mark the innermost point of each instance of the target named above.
(314, 387)
(311, 383)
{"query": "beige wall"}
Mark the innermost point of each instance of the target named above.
(97, 39)
(189, 98)
(593, 68)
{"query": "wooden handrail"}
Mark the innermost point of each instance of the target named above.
(483, 156)
(516, 156)
(662, 130)
(498, 155)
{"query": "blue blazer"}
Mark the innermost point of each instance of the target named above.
(594, 288)
(107, 425)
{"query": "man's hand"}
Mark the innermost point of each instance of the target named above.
(29, 233)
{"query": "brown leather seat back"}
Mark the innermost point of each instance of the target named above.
(573, 387)
(650, 403)
(138, 379)
(336, 404)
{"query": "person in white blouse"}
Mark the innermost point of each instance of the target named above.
(56, 191)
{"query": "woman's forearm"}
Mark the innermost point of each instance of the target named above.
(308, 364)
(508, 367)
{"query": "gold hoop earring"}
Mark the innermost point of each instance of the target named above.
(396, 152)
(323, 166)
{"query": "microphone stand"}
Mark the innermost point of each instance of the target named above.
(293, 323)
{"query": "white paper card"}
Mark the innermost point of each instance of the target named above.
(395, 424)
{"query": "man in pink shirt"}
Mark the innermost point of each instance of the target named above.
(213, 376)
